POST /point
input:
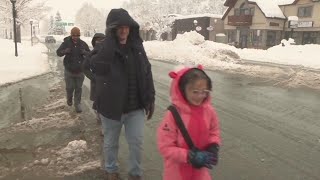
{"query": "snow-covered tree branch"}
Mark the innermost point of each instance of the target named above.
(90, 20)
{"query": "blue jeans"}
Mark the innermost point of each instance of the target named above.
(134, 125)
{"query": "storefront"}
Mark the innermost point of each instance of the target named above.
(304, 33)
(254, 38)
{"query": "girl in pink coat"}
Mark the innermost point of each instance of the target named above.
(190, 94)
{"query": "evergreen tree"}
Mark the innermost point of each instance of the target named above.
(51, 25)
(58, 28)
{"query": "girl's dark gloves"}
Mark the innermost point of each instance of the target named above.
(199, 159)
(214, 149)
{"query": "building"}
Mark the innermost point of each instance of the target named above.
(264, 23)
(307, 29)
(208, 25)
(253, 23)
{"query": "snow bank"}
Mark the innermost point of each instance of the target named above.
(31, 61)
(191, 48)
(299, 55)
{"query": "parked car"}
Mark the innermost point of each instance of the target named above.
(50, 39)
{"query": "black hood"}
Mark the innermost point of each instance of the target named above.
(121, 17)
(96, 35)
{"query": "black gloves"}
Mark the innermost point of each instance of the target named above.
(214, 149)
(66, 51)
(199, 159)
(150, 110)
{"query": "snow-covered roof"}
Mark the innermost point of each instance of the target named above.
(269, 8)
(293, 18)
(218, 16)
(285, 2)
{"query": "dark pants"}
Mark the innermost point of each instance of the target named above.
(74, 85)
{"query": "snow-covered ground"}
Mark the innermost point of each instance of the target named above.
(188, 48)
(31, 61)
(192, 48)
(76, 155)
(302, 64)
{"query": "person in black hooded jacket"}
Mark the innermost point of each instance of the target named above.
(74, 50)
(89, 73)
(125, 90)
(87, 65)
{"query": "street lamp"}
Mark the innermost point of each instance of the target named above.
(14, 15)
(31, 31)
(293, 23)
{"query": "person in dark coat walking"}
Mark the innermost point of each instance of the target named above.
(97, 39)
(87, 66)
(74, 50)
(125, 91)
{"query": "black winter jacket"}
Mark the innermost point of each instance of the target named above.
(73, 60)
(87, 65)
(111, 75)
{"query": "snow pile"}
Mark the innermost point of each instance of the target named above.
(73, 149)
(299, 55)
(191, 48)
(192, 37)
(289, 42)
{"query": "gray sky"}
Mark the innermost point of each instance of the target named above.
(68, 8)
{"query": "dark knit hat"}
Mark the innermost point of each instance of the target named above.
(75, 31)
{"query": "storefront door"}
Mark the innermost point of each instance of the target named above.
(271, 38)
(243, 38)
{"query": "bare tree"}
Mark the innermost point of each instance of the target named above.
(157, 14)
(26, 10)
(90, 19)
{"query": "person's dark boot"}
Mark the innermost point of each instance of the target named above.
(78, 108)
(69, 101)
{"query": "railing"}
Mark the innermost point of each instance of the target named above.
(241, 20)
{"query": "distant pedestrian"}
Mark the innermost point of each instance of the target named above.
(74, 50)
(96, 42)
(189, 159)
(125, 91)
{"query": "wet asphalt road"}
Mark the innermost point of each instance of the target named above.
(268, 132)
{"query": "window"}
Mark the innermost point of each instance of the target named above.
(305, 11)
(231, 36)
(244, 10)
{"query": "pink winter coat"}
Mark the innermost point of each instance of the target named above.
(171, 143)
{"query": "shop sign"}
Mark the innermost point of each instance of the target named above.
(305, 24)
(274, 24)
(293, 24)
